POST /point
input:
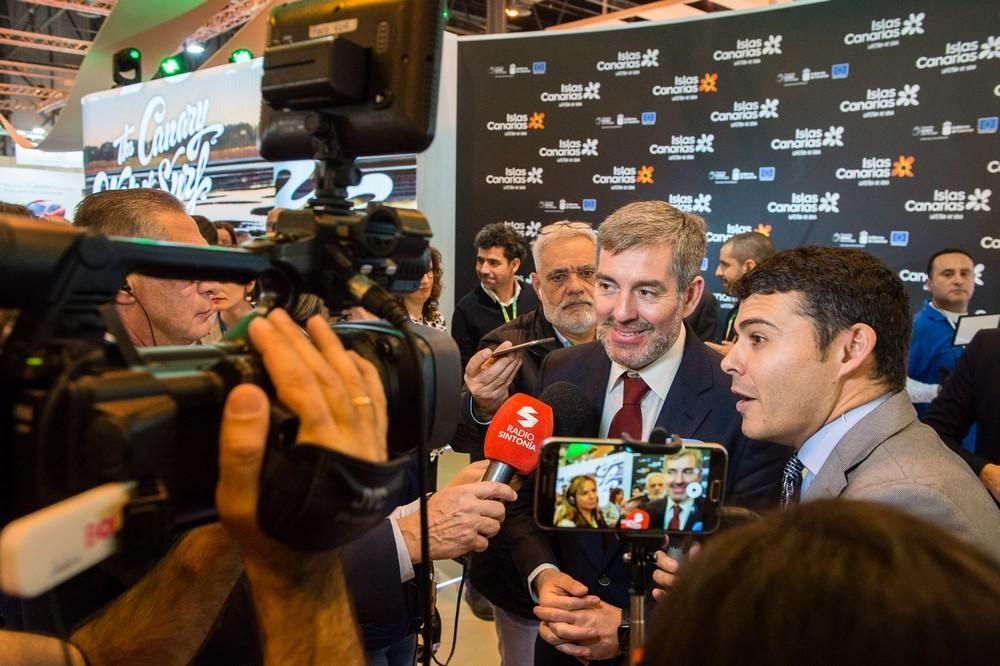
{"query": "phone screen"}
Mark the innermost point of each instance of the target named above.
(610, 485)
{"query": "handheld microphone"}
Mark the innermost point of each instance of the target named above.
(573, 415)
(514, 439)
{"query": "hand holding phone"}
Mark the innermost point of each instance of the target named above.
(610, 485)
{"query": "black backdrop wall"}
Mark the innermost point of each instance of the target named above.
(859, 123)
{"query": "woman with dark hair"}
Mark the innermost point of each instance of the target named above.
(233, 301)
(422, 305)
(207, 229)
(579, 505)
(227, 235)
(829, 583)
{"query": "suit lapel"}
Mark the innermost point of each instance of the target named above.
(859, 443)
(595, 379)
(683, 409)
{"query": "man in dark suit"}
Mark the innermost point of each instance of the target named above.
(972, 395)
(646, 370)
(680, 509)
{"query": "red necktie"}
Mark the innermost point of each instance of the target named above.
(629, 417)
(675, 520)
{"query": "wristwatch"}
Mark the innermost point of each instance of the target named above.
(624, 632)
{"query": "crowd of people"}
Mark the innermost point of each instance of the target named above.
(805, 383)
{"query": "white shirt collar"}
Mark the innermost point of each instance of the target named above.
(496, 299)
(820, 445)
(659, 374)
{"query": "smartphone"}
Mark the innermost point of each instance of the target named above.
(521, 346)
(607, 485)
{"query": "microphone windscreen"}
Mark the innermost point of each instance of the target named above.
(572, 413)
(517, 431)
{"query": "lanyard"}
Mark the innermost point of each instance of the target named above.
(513, 309)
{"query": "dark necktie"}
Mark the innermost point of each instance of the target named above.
(675, 520)
(629, 417)
(791, 482)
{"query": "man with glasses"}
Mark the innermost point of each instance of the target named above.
(564, 255)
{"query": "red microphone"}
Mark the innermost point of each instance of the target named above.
(514, 439)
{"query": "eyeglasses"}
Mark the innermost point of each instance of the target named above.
(565, 225)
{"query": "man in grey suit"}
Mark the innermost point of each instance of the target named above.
(820, 365)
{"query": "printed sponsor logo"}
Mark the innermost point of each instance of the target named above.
(517, 178)
(737, 175)
(561, 206)
(517, 124)
(573, 94)
(899, 238)
(987, 125)
(861, 239)
(750, 51)
(589, 205)
(538, 67)
(630, 63)
(625, 177)
(692, 203)
(990, 243)
(906, 275)
(883, 102)
(510, 70)
(951, 204)
(961, 56)
(808, 75)
(806, 205)
(877, 171)
(886, 32)
(810, 140)
(731, 230)
(529, 230)
(684, 146)
(747, 113)
(621, 120)
(687, 87)
(947, 130)
(570, 150)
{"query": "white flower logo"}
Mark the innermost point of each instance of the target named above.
(829, 203)
(979, 200)
(651, 58)
(589, 148)
(705, 144)
(990, 49)
(702, 204)
(834, 136)
(908, 95)
(913, 24)
(533, 229)
(769, 108)
(535, 175)
(772, 45)
(979, 274)
(592, 91)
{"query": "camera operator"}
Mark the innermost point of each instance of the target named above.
(154, 311)
(300, 599)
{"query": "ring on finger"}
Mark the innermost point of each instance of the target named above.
(361, 400)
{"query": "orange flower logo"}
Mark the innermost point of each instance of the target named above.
(709, 83)
(764, 229)
(903, 167)
(645, 174)
(537, 121)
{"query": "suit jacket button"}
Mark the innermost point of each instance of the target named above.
(604, 581)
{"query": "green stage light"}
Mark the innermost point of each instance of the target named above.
(134, 54)
(172, 65)
(241, 55)
(126, 66)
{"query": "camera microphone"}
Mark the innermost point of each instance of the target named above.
(514, 439)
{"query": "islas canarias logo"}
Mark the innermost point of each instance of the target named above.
(747, 113)
(961, 56)
(685, 87)
(886, 31)
(625, 177)
(750, 51)
(571, 150)
(878, 171)
(881, 102)
(692, 203)
(517, 124)
(810, 140)
(573, 94)
(629, 63)
(806, 205)
(952, 204)
(517, 178)
(684, 146)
